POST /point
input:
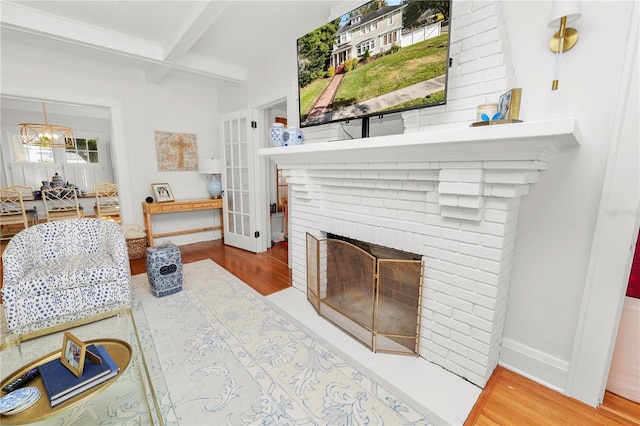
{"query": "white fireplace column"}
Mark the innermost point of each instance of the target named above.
(468, 264)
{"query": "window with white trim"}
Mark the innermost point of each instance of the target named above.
(28, 153)
(85, 151)
(344, 38)
(84, 165)
(367, 45)
(390, 38)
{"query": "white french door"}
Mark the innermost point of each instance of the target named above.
(238, 181)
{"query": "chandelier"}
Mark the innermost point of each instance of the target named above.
(47, 135)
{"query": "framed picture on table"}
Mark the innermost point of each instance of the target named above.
(73, 353)
(162, 192)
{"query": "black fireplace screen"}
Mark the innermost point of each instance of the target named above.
(377, 301)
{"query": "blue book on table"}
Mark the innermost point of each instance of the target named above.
(61, 384)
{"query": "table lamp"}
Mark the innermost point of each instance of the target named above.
(211, 166)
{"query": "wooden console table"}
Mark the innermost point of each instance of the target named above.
(149, 209)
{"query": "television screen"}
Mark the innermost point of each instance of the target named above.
(383, 57)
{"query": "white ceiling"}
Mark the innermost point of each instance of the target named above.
(217, 39)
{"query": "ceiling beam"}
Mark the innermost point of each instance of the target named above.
(25, 19)
(161, 58)
(187, 34)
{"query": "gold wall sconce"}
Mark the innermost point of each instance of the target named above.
(563, 12)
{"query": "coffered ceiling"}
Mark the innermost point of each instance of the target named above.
(217, 39)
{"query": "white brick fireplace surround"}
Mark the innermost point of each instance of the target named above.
(452, 196)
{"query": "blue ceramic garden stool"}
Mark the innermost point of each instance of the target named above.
(164, 269)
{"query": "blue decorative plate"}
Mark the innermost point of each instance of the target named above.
(14, 399)
(26, 404)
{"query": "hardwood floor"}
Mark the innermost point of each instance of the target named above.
(508, 398)
(265, 272)
(511, 399)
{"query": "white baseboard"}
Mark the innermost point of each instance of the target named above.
(533, 364)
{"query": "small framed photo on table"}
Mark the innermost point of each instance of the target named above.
(73, 353)
(162, 192)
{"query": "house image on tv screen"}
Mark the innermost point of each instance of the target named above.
(374, 32)
(384, 57)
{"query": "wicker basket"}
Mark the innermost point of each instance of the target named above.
(137, 247)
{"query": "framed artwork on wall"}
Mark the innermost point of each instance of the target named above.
(176, 151)
(163, 192)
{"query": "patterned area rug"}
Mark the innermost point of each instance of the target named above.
(232, 357)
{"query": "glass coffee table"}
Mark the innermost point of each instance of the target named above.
(138, 395)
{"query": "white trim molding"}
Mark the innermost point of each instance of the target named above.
(614, 239)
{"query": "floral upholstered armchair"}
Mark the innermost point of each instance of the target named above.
(64, 271)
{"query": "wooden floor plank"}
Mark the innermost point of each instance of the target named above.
(620, 406)
(511, 399)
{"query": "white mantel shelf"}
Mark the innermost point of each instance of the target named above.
(507, 142)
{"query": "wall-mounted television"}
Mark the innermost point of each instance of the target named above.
(381, 58)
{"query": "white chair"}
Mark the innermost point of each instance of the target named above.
(25, 191)
(61, 203)
(107, 202)
(64, 271)
(13, 215)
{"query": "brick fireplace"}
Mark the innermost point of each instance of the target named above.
(450, 195)
(438, 188)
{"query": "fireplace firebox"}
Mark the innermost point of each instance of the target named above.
(371, 292)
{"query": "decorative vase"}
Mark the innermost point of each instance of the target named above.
(57, 180)
(292, 136)
(275, 134)
(215, 187)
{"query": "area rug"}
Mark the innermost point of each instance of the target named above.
(230, 356)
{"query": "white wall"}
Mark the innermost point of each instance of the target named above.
(558, 217)
(177, 104)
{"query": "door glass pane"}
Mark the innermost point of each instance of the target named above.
(245, 179)
(236, 179)
(237, 201)
(227, 132)
(230, 222)
(234, 132)
(243, 129)
(230, 204)
(244, 159)
(245, 198)
(247, 225)
(229, 174)
(227, 155)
